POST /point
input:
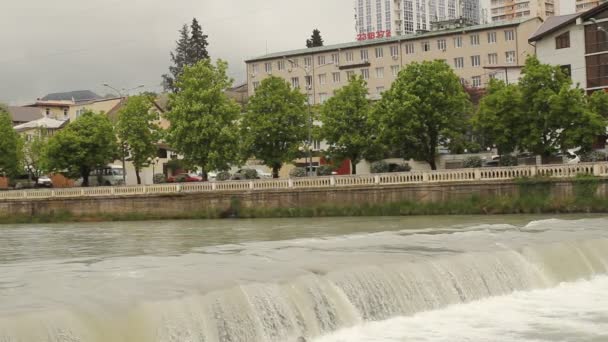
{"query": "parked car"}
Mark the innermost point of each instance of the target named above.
(240, 174)
(44, 182)
(184, 178)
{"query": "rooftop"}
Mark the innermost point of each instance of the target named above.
(555, 23)
(24, 114)
(308, 51)
(41, 123)
(74, 96)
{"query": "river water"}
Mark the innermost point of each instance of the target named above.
(499, 278)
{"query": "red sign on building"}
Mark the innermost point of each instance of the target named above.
(374, 35)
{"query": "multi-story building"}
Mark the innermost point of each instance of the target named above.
(579, 44)
(477, 53)
(70, 105)
(501, 10)
(380, 18)
(585, 5)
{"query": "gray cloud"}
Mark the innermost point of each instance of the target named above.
(61, 45)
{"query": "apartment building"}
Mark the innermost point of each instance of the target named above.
(477, 54)
(70, 105)
(400, 17)
(585, 5)
(579, 44)
(501, 10)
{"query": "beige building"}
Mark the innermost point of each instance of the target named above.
(585, 5)
(70, 105)
(503, 10)
(477, 53)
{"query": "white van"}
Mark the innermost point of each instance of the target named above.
(111, 175)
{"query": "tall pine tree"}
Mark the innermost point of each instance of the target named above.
(315, 40)
(190, 48)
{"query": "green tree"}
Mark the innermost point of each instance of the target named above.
(315, 40)
(598, 103)
(138, 132)
(499, 116)
(426, 107)
(203, 118)
(34, 154)
(190, 48)
(84, 145)
(347, 126)
(11, 155)
(275, 124)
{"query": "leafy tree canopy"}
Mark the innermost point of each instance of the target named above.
(138, 132)
(276, 123)
(426, 107)
(347, 126)
(203, 118)
(11, 156)
(315, 40)
(84, 145)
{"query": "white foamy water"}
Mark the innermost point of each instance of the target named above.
(569, 312)
(278, 280)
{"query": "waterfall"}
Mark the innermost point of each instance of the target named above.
(316, 304)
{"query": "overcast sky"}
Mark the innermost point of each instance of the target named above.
(62, 45)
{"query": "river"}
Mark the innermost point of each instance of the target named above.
(448, 278)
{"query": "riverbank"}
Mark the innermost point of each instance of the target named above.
(521, 196)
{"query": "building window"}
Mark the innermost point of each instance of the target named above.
(350, 75)
(491, 37)
(256, 84)
(379, 52)
(316, 144)
(475, 39)
(458, 42)
(475, 61)
(409, 48)
(441, 45)
(567, 70)
(254, 68)
(322, 79)
(395, 70)
(308, 82)
(365, 74)
(459, 63)
(294, 62)
(349, 56)
(509, 35)
(335, 58)
(65, 113)
(597, 70)
(281, 65)
(596, 39)
(364, 55)
(268, 67)
(562, 41)
(492, 58)
(336, 77)
(476, 81)
(379, 90)
(379, 72)
(510, 56)
(394, 51)
(321, 60)
(322, 97)
(307, 62)
(48, 111)
(295, 82)
(426, 46)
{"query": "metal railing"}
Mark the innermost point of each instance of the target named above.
(416, 177)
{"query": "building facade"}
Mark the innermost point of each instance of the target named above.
(503, 10)
(399, 17)
(579, 44)
(477, 54)
(585, 5)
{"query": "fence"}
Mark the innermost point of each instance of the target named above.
(442, 176)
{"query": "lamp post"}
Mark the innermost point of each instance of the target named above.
(308, 71)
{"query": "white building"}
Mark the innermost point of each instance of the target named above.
(399, 17)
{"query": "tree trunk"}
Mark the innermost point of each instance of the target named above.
(137, 176)
(275, 171)
(433, 163)
(353, 167)
(84, 173)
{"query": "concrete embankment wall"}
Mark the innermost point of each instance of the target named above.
(481, 197)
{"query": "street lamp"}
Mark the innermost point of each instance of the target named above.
(307, 72)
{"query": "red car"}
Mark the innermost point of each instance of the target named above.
(184, 178)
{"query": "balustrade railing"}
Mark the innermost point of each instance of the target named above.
(416, 177)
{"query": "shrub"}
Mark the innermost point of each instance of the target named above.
(249, 174)
(325, 170)
(508, 160)
(297, 172)
(159, 178)
(593, 156)
(403, 167)
(223, 176)
(472, 162)
(180, 178)
(380, 167)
